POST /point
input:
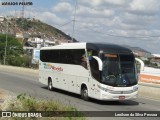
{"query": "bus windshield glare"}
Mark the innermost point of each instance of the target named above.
(118, 70)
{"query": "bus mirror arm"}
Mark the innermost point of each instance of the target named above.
(100, 64)
(141, 63)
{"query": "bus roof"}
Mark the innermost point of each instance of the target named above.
(110, 48)
(67, 46)
(96, 46)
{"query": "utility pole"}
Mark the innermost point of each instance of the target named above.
(22, 14)
(5, 53)
(74, 19)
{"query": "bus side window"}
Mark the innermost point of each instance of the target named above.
(94, 69)
(84, 61)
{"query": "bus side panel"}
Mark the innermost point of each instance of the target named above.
(42, 77)
(63, 84)
(94, 92)
(72, 83)
(80, 81)
(75, 83)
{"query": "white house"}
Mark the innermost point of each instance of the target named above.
(1, 18)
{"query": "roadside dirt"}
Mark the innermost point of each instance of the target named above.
(2, 96)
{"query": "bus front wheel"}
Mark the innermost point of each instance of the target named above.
(84, 93)
(50, 87)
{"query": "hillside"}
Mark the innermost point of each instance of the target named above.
(140, 52)
(32, 28)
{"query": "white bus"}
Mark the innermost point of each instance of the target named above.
(93, 70)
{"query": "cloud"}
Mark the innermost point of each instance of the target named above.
(63, 7)
(97, 3)
(45, 16)
(88, 12)
(106, 20)
(149, 7)
(115, 2)
(137, 20)
(91, 2)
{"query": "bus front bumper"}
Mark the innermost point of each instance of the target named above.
(118, 97)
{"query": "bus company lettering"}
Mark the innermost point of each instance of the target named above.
(57, 68)
(52, 67)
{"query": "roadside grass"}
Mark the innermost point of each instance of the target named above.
(50, 110)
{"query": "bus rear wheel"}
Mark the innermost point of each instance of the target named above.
(50, 87)
(84, 94)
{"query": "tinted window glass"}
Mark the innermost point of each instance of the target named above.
(65, 56)
(118, 70)
(49, 56)
(94, 69)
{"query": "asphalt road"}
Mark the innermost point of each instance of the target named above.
(18, 83)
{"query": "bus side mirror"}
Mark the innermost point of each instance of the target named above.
(100, 64)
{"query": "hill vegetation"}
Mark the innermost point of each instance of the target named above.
(25, 28)
(14, 52)
(33, 28)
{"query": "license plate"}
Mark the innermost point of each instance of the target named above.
(121, 97)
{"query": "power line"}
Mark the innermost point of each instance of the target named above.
(66, 23)
(135, 38)
(113, 35)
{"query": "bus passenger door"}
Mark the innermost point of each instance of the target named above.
(95, 71)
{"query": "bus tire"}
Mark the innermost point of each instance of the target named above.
(84, 94)
(50, 87)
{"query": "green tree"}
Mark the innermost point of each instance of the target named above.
(14, 48)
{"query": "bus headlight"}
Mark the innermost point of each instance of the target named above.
(102, 88)
(135, 88)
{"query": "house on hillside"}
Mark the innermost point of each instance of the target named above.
(1, 18)
(155, 60)
(19, 35)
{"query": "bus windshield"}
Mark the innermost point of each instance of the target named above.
(118, 70)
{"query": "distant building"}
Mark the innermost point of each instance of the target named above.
(1, 18)
(39, 42)
(19, 35)
(35, 56)
(32, 47)
(48, 43)
(155, 59)
(36, 40)
(10, 17)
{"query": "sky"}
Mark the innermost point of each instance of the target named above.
(125, 22)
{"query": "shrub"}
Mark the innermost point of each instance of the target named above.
(28, 103)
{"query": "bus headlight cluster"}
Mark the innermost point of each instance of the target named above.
(102, 88)
(135, 88)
